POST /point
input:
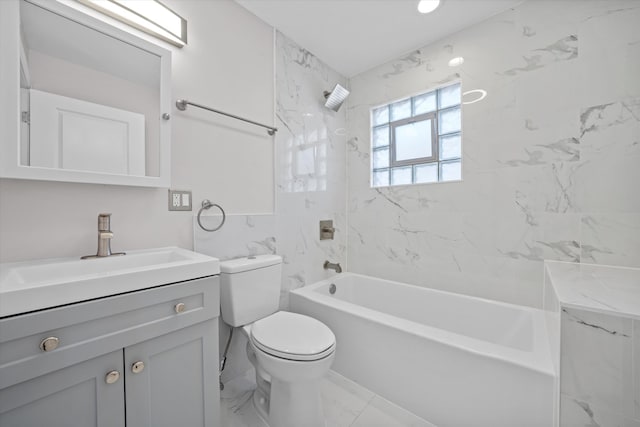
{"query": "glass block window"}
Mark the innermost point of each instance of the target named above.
(418, 140)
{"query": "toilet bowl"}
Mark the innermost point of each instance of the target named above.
(291, 352)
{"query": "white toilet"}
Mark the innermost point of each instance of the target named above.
(291, 352)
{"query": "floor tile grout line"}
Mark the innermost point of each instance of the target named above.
(235, 404)
(373, 396)
(359, 415)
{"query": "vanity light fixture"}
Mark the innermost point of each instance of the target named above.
(428, 6)
(149, 16)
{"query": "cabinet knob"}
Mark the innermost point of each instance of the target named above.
(137, 367)
(180, 307)
(49, 344)
(112, 377)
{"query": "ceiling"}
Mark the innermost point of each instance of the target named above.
(352, 36)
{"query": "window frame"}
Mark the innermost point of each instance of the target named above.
(433, 116)
(384, 174)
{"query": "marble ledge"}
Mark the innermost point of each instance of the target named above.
(604, 289)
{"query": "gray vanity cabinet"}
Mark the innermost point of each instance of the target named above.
(175, 379)
(73, 396)
(146, 358)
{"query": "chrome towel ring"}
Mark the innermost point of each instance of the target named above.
(206, 204)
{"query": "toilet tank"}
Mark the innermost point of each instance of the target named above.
(249, 288)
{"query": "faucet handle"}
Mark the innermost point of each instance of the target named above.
(104, 238)
(104, 222)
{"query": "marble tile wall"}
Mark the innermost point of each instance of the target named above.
(240, 235)
(593, 322)
(549, 156)
(310, 166)
(600, 376)
(552, 319)
(310, 180)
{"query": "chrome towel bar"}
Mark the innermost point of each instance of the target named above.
(181, 104)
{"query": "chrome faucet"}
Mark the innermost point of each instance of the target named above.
(331, 266)
(104, 238)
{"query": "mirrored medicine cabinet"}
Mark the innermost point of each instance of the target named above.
(81, 100)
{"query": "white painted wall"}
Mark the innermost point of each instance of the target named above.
(228, 64)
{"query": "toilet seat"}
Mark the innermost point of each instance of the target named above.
(293, 336)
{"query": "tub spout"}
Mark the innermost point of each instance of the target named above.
(331, 266)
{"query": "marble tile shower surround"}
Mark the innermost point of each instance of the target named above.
(310, 186)
(241, 235)
(310, 178)
(549, 156)
(599, 373)
(544, 177)
(310, 166)
(596, 310)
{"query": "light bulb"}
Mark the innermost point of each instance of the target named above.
(428, 6)
(457, 61)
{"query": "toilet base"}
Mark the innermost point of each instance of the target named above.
(261, 405)
(288, 403)
(293, 405)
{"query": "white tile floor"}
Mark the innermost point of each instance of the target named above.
(346, 404)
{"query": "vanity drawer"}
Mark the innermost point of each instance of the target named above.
(89, 329)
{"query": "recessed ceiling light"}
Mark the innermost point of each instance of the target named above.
(428, 6)
(457, 61)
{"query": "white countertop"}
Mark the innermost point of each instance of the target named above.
(605, 289)
(40, 284)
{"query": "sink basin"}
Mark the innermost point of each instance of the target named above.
(35, 285)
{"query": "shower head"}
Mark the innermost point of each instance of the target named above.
(336, 97)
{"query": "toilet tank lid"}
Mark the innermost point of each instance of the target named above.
(239, 265)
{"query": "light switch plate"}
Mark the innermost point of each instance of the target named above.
(179, 200)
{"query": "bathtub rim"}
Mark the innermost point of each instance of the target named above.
(538, 360)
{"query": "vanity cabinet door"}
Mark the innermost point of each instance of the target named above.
(172, 380)
(83, 394)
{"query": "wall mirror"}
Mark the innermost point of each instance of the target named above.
(82, 101)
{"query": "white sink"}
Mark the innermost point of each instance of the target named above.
(35, 285)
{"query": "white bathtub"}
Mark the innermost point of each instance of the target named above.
(453, 360)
